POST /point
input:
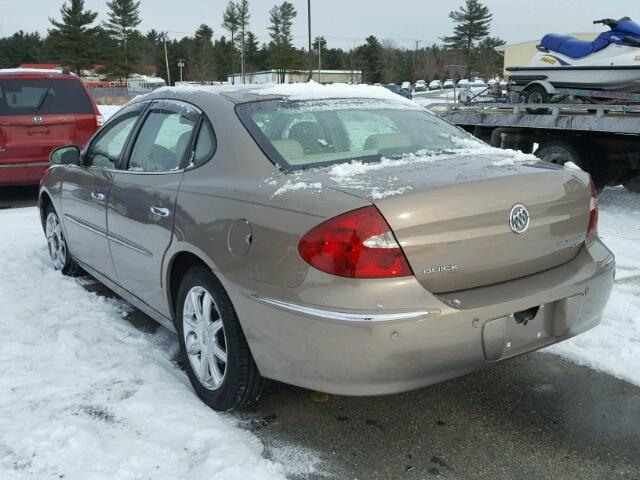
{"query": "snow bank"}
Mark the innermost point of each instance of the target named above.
(86, 396)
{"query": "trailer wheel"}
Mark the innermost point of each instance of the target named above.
(587, 157)
(536, 94)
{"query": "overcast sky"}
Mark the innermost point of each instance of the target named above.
(347, 22)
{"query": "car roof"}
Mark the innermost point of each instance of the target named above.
(36, 72)
(293, 91)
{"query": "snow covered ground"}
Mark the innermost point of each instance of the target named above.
(87, 396)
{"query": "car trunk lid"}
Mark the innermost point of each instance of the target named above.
(452, 217)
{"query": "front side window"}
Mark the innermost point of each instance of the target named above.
(303, 134)
(163, 142)
(106, 149)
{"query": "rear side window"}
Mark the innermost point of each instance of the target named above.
(205, 145)
(162, 142)
(43, 96)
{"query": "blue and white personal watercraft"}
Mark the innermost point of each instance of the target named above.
(609, 63)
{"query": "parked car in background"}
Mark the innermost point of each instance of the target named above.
(435, 85)
(406, 86)
(461, 83)
(40, 110)
(421, 86)
(448, 84)
(233, 219)
(397, 90)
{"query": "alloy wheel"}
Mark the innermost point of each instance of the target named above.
(56, 241)
(204, 338)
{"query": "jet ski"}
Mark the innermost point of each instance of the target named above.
(610, 63)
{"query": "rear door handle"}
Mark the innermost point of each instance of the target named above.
(97, 196)
(160, 211)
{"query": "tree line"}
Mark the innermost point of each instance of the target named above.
(79, 41)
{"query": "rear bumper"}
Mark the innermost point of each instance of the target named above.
(22, 173)
(411, 339)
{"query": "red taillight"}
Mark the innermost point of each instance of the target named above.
(592, 229)
(358, 244)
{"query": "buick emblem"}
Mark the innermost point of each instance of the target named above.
(519, 219)
(37, 119)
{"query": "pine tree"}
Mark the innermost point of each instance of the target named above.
(201, 60)
(73, 38)
(243, 24)
(472, 23)
(124, 17)
(282, 51)
(252, 52)
(492, 61)
(231, 22)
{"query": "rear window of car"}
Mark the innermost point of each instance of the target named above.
(43, 96)
(298, 135)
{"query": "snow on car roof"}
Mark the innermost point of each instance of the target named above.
(18, 71)
(316, 91)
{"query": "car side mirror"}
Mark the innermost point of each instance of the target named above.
(68, 155)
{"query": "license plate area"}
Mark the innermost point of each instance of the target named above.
(518, 332)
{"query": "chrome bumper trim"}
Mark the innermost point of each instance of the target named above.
(345, 316)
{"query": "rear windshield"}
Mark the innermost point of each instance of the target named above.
(298, 135)
(43, 96)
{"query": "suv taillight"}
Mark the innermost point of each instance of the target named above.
(99, 120)
(592, 229)
(357, 244)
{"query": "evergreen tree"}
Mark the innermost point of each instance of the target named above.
(124, 17)
(21, 48)
(369, 59)
(243, 24)
(253, 55)
(492, 61)
(472, 23)
(201, 61)
(73, 38)
(231, 22)
(283, 54)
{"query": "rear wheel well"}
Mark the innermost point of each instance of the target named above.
(180, 265)
(44, 203)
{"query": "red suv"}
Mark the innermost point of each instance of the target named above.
(40, 110)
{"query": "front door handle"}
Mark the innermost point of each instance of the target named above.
(160, 211)
(97, 196)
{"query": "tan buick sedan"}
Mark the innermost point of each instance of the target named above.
(336, 238)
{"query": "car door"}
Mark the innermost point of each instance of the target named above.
(86, 189)
(143, 196)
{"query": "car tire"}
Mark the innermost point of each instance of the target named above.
(61, 259)
(536, 94)
(213, 347)
(584, 156)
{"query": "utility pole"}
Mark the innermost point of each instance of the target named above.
(320, 59)
(415, 55)
(181, 65)
(310, 48)
(166, 58)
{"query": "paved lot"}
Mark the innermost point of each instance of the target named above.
(535, 417)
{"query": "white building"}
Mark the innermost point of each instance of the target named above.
(320, 76)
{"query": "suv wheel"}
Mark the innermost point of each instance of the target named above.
(214, 350)
(57, 245)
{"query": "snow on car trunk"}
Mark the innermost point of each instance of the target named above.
(85, 395)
